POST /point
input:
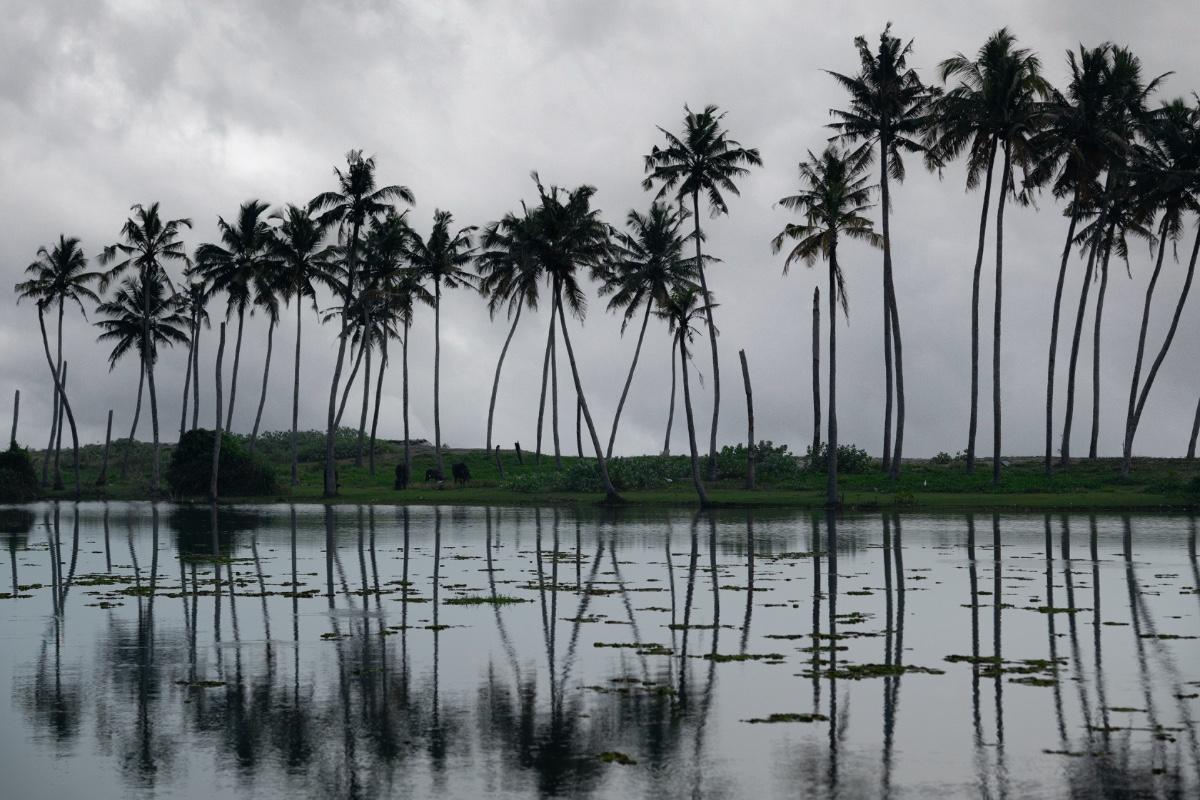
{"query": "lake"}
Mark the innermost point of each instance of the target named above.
(165, 651)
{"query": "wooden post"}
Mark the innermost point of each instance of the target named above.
(12, 440)
(499, 463)
(816, 371)
(216, 459)
(103, 478)
(749, 422)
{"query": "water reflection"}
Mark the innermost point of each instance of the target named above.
(361, 652)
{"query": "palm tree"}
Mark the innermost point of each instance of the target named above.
(148, 243)
(125, 323)
(682, 307)
(833, 197)
(305, 263)
(234, 267)
(889, 107)
(267, 293)
(702, 159)
(571, 235)
(193, 303)
(356, 200)
(646, 266)
(59, 275)
(403, 291)
(442, 259)
(992, 108)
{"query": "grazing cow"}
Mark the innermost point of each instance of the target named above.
(434, 475)
(461, 473)
(401, 476)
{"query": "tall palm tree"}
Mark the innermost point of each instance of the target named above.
(702, 159)
(148, 244)
(124, 322)
(58, 276)
(991, 109)
(442, 259)
(193, 303)
(570, 235)
(356, 200)
(889, 108)
(403, 290)
(306, 262)
(833, 197)
(647, 264)
(267, 294)
(683, 309)
(234, 267)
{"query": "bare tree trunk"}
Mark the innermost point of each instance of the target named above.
(61, 392)
(697, 481)
(437, 365)
(1065, 447)
(1127, 444)
(366, 400)
(237, 357)
(102, 478)
(712, 338)
(55, 409)
(816, 370)
(196, 377)
(888, 379)
(1058, 292)
(296, 397)
(578, 427)
(545, 382)
(996, 415)
(404, 377)
(137, 412)
(750, 441)
(349, 383)
(554, 400)
(1191, 451)
(496, 380)
(1096, 345)
(974, 424)
(262, 400)
(187, 380)
(831, 487)
(12, 439)
(216, 457)
(383, 361)
(893, 320)
(671, 408)
(58, 481)
(637, 351)
(156, 470)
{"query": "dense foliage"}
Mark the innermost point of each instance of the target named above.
(241, 475)
(18, 480)
(852, 460)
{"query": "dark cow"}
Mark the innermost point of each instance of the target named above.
(461, 473)
(433, 475)
(401, 476)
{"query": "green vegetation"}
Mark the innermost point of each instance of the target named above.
(241, 473)
(18, 480)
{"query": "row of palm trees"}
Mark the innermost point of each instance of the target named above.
(1124, 168)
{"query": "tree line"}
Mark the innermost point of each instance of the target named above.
(1122, 165)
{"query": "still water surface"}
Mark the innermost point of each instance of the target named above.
(157, 651)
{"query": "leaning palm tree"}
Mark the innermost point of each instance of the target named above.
(682, 306)
(305, 263)
(647, 263)
(356, 201)
(991, 109)
(148, 243)
(834, 196)
(889, 107)
(442, 259)
(234, 267)
(702, 160)
(58, 276)
(193, 303)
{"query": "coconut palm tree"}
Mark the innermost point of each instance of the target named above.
(267, 294)
(833, 197)
(702, 159)
(356, 200)
(682, 306)
(148, 244)
(992, 108)
(305, 263)
(570, 235)
(647, 264)
(889, 108)
(193, 303)
(442, 259)
(234, 267)
(58, 276)
(403, 290)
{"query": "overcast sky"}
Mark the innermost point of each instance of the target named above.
(204, 105)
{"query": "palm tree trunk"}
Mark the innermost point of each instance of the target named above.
(610, 491)
(237, 357)
(61, 393)
(296, 396)
(1058, 292)
(996, 328)
(712, 338)
(1191, 451)
(196, 376)
(12, 440)
(54, 403)
(213, 485)
(697, 481)
(58, 481)
(974, 424)
(545, 380)
(102, 478)
(496, 380)
(357, 355)
(578, 427)
(366, 399)
(831, 487)
(404, 400)
(1162, 352)
(1096, 345)
(893, 317)
(137, 412)
(437, 361)
(1127, 444)
(1065, 447)
(331, 421)
(383, 361)
(671, 408)
(156, 470)
(187, 380)
(262, 400)
(816, 370)
(554, 401)
(637, 351)
(750, 442)
(888, 380)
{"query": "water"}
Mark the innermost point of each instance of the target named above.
(159, 651)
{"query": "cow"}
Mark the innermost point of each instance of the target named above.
(401, 476)
(433, 475)
(461, 474)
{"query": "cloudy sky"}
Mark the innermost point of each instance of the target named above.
(204, 105)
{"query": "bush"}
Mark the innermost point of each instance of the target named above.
(942, 458)
(851, 460)
(190, 471)
(18, 479)
(772, 463)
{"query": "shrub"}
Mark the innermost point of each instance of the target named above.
(851, 459)
(772, 463)
(942, 458)
(18, 479)
(190, 471)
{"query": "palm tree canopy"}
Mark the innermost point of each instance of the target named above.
(305, 261)
(834, 196)
(241, 265)
(648, 262)
(357, 198)
(569, 234)
(1167, 174)
(148, 241)
(59, 274)
(123, 317)
(683, 309)
(444, 256)
(701, 160)
(509, 270)
(194, 296)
